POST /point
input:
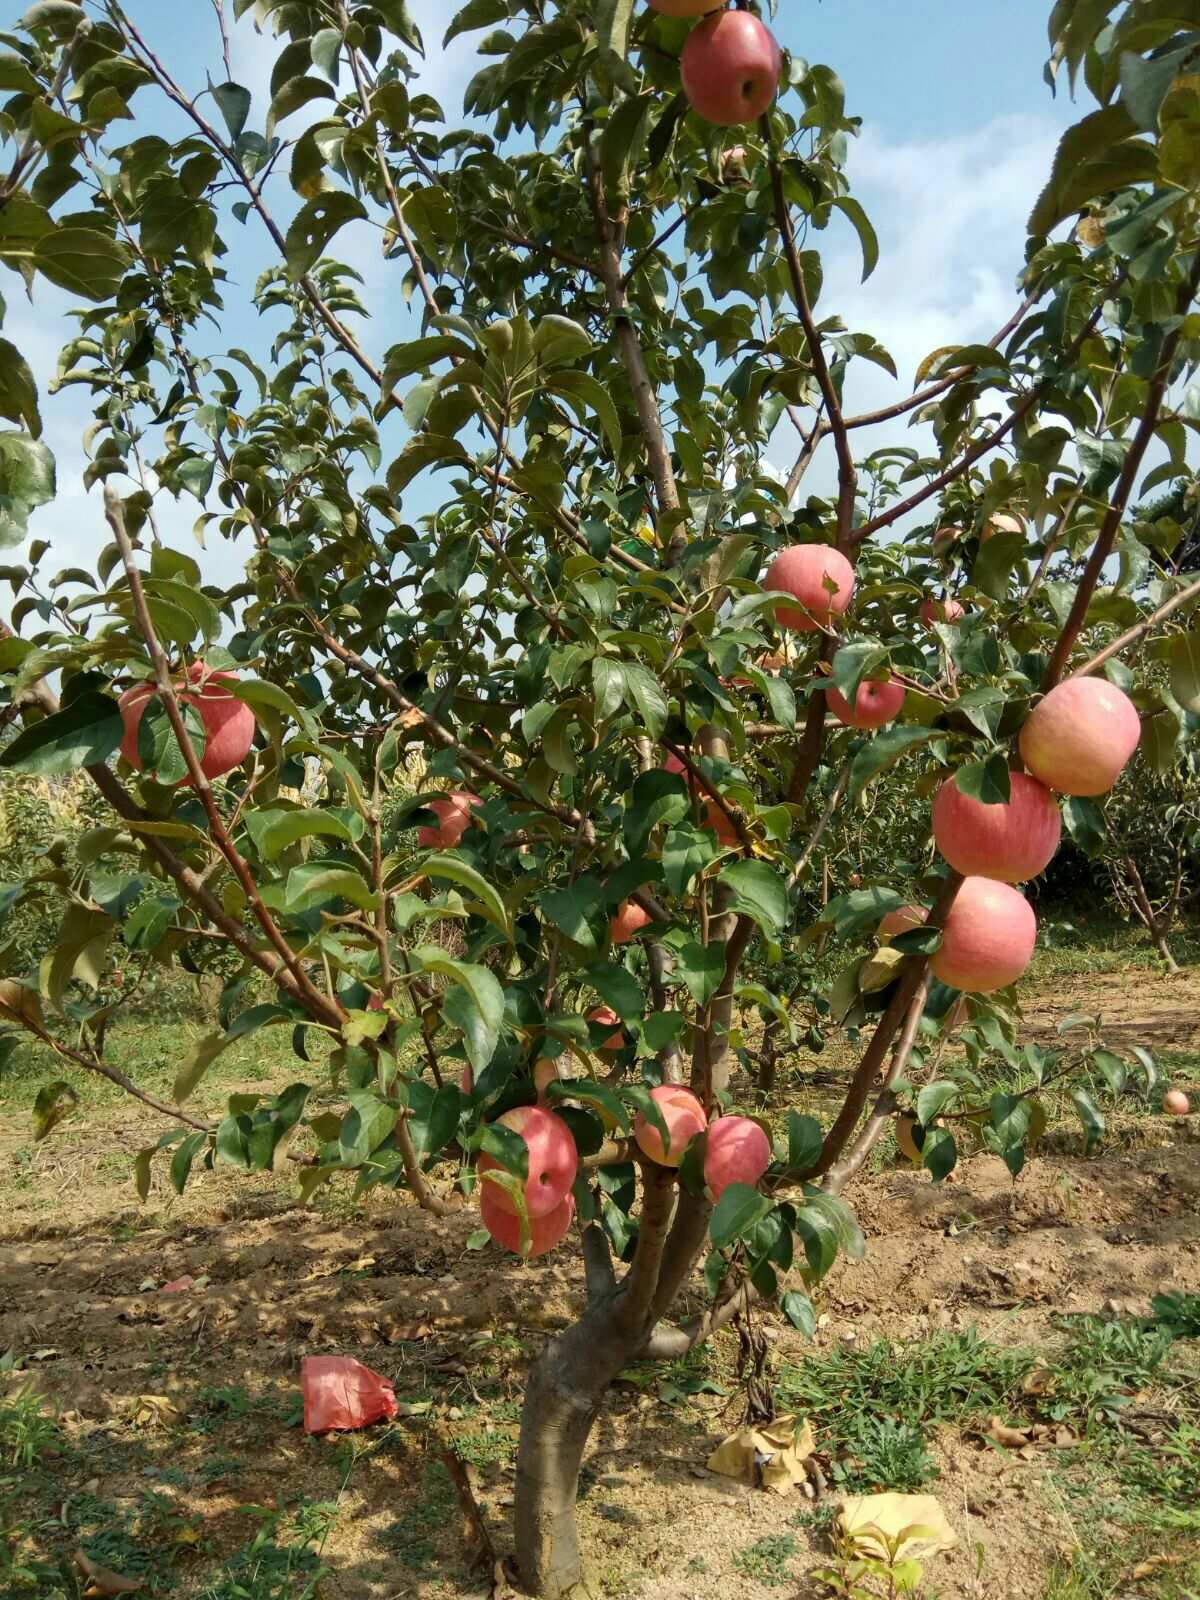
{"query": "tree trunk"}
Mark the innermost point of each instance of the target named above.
(768, 1056)
(1156, 928)
(565, 1391)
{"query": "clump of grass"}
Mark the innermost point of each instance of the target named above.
(766, 1561)
(26, 1432)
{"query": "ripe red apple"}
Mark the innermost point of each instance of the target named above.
(900, 921)
(545, 1072)
(454, 817)
(945, 536)
(737, 1151)
(941, 611)
(1012, 841)
(875, 704)
(988, 938)
(684, 1117)
(608, 1018)
(719, 822)
(505, 1226)
(628, 921)
(730, 66)
(1176, 1103)
(553, 1161)
(802, 570)
(228, 722)
(1080, 736)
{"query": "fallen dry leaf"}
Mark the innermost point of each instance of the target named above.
(102, 1581)
(1010, 1438)
(153, 1411)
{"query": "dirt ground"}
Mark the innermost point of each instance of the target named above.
(178, 1413)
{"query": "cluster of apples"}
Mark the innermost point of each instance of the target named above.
(229, 723)
(736, 1151)
(1076, 741)
(730, 63)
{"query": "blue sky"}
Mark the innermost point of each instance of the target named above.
(959, 130)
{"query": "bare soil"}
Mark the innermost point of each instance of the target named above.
(82, 1264)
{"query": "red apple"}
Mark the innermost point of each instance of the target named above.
(737, 1151)
(454, 817)
(1080, 736)
(1012, 841)
(608, 1018)
(505, 1226)
(803, 571)
(874, 705)
(901, 921)
(940, 611)
(553, 1161)
(1176, 1103)
(730, 66)
(228, 722)
(684, 1117)
(628, 921)
(988, 938)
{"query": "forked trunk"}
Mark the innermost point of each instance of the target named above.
(565, 1391)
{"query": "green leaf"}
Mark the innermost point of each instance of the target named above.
(701, 967)
(54, 1103)
(196, 1063)
(687, 850)
(315, 224)
(656, 798)
(159, 751)
(367, 1123)
(82, 260)
(84, 734)
(296, 92)
(18, 391)
(805, 1141)
(27, 480)
(1090, 1116)
(274, 831)
(644, 695)
(234, 103)
(866, 233)
(933, 1100)
(316, 883)
(1185, 670)
(939, 1153)
(487, 902)
(618, 988)
(475, 1003)
(612, 1110)
(986, 781)
(575, 911)
(1085, 824)
(757, 890)
(882, 752)
(613, 21)
(584, 390)
(624, 140)
(608, 682)
(860, 908)
(325, 47)
(739, 1209)
(800, 1312)
(15, 76)
(181, 1161)
(424, 450)
(1095, 156)
(559, 338)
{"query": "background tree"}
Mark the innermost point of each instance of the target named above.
(617, 305)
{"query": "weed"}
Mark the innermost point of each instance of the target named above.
(883, 1454)
(1103, 1365)
(25, 1431)
(279, 1563)
(1179, 1314)
(767, 1560)
(413, 1536)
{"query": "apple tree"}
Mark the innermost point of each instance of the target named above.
(529, 529)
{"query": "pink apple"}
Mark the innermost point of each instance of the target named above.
(628, 921)
(874, 705)
(505, 1226)
(606, 1017)
(737, 1151)
(803, 571)
(901, 920)
(988, 938)
(454, 817)
(730, 66)
(553, 1161)
(1012, 841)
(1001, 522)
(1176, 1103)
(228, 722)
(940, 611)
(1080, 736)
(684, 1117)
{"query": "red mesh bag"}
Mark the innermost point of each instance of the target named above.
(341, 1393)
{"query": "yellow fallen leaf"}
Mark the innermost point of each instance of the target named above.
(154, 1411)
(770, 1456)
(864, 1516)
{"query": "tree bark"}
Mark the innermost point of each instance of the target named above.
(563, 1396)
(1154, 925)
